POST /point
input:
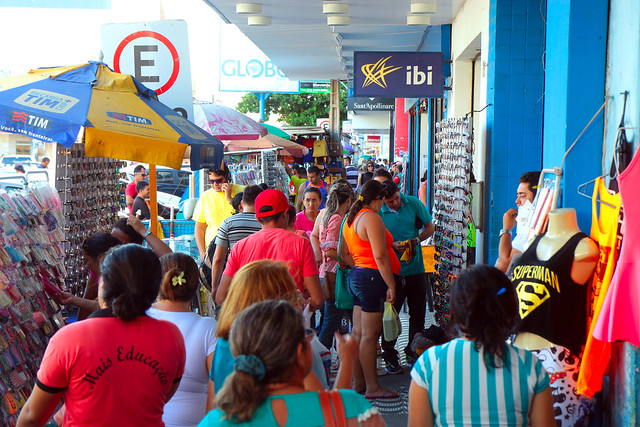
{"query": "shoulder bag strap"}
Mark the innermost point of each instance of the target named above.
(327, 411)
(340, 239)
(338, 408)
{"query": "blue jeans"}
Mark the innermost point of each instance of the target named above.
(330, 323)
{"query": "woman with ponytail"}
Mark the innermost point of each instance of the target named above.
(324, 239)
(119, 366)
(180, 284)
(266, 388)
(372, 281)
(495, 382)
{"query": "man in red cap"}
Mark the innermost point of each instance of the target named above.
(276, 243)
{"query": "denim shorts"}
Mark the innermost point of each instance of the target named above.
(368, 288)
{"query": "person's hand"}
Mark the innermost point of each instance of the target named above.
(509, 219)
(347, 346)
(391, 295)
(64, 298)
(136, 224)
(399, 246)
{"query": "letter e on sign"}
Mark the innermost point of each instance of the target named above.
(141, 60)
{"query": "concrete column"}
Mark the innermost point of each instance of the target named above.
(515, 95)
(574, 90)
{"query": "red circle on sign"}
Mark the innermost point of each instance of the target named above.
(163, 40)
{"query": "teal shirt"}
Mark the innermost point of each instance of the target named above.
(221, 364)
(402, 226)
(303, 410)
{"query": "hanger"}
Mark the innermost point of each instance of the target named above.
(582, 190)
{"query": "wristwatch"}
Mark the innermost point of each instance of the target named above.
(505, 231)
(146, 235)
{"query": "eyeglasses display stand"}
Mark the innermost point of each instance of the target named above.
(452, 207)
(91, 195)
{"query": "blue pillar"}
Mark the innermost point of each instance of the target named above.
(515, 89)
(574, 90)
(262, 97)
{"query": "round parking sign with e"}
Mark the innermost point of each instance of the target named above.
(155, 59)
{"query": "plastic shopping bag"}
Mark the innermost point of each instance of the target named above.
(391, 327)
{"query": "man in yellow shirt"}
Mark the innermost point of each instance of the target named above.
(213, 207)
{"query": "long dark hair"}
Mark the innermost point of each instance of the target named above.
(131, 278)
(484, 305)
(370, 191)
(271, 331)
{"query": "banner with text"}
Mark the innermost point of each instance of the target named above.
(245, 68)
(398, 74)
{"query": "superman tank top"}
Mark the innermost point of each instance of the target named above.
(550, 303)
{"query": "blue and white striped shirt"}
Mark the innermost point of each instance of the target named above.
(464, 392)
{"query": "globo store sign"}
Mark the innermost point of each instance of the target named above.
(244, 68)
(253, 68)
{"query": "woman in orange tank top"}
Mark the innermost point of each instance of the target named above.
(372, 281)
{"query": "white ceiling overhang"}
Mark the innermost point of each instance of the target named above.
(304, 47)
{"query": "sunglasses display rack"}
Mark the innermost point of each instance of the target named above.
(255, 167)
(91, 195)
(452, 207)
(31, 270)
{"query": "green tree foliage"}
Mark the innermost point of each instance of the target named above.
(295, 109)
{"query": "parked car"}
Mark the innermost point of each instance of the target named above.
(10, 159)
(171, 185)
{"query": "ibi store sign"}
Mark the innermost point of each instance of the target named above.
(244, 68)
(398, 74)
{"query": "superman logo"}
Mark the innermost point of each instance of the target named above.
(531, 295)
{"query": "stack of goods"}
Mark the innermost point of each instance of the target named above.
(90, 190)
(31, 271)
(452, 207)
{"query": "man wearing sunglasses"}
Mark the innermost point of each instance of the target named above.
(139, 174)
(213, 207)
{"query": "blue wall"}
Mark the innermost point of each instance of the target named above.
(515, 87)
(574, 91)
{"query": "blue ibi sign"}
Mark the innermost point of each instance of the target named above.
(398, 74)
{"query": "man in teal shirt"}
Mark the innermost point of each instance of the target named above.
(404, 217)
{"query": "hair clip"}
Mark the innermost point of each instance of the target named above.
(178, 280)
(501, 291)
(361, 198)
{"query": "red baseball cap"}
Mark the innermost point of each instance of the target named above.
(274, 200)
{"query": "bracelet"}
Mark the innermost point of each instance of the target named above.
(146, 235)
(505, 231)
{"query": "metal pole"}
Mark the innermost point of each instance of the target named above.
(262, 97)
(334, 111)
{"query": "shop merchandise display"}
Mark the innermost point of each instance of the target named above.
(452, 207)
(31, 272)
(91, 195)
(256, 167)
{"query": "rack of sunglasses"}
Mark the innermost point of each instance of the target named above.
(257, 166)
(31, 269)
(452, 207)
(91, 194)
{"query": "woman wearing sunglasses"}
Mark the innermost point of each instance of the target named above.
(214, 206)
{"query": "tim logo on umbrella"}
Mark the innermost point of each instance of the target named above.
(30, 120)
(45, 100)
(129, 118)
